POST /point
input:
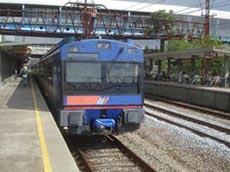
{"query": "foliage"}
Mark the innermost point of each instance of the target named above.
(176, 45)
(209, 43)
(180, 45)
(147, 50)
(161, 21)
(217, 65)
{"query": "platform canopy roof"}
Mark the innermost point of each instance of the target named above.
(19, 51)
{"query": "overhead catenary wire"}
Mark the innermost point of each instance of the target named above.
(149, 5)
(217, 3)
(220, 6)
(196, 10)
(213, 5)
(201, 4)
(220, 25)
(187, 8)
(138, 3)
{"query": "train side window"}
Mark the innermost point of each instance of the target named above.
(50, 72)
(132, 50)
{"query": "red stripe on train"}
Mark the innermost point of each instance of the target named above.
(82, 100)
(102, 107)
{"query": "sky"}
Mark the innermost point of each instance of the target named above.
(219, 8)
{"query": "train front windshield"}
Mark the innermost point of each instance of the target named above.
(102, 77)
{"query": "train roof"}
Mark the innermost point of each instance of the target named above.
(88, 50)
(124, 42)
(103, 49)
(69, 40)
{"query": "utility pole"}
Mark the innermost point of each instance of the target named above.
(206, 34)
(207, 18)
(85, 20)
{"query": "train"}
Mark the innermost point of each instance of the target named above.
(95, 86)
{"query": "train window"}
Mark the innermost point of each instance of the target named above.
(104, 45)
(132, 50)
(83, 72)
(122, 73)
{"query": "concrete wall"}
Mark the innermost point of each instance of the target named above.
(6, 68)
(202, 96)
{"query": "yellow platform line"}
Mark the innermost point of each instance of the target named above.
(45, 155)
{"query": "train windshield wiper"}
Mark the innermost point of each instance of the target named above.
(125, 80)
(86, 84)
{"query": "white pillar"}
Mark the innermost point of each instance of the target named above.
(226, 71)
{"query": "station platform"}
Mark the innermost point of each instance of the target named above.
(30, 139)
(210, 97)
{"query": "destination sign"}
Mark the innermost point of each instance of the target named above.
(82, 56)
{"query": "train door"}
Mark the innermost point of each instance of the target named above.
(58, 87)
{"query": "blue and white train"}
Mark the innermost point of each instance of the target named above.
(94, 85)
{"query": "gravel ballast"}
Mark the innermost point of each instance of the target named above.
(172, 149)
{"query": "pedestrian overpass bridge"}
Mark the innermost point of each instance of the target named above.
(84, 20)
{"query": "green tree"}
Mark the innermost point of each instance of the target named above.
(209, 43)
(217, 65)
(161, 21)
(180, 45)
(146, 50)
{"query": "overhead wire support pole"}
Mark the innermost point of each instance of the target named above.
(206, 33)
(207, 18)
(85, 18)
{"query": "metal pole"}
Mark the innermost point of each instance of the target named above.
(85, 18)
(207, 18)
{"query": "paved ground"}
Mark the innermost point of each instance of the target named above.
(30, 140)
(19, 143)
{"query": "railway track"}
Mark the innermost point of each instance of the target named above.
(175, 115)
(216, 113)
(105, 153)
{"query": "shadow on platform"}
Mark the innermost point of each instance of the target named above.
(22, 98)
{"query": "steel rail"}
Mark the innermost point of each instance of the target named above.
(144, 165)
(110, 143)
(187, 118)
(200, 133)
(207, 111)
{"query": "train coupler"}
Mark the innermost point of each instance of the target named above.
(104, 126)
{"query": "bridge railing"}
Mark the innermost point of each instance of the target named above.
(61, 22)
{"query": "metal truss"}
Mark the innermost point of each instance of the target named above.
(86, 20)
